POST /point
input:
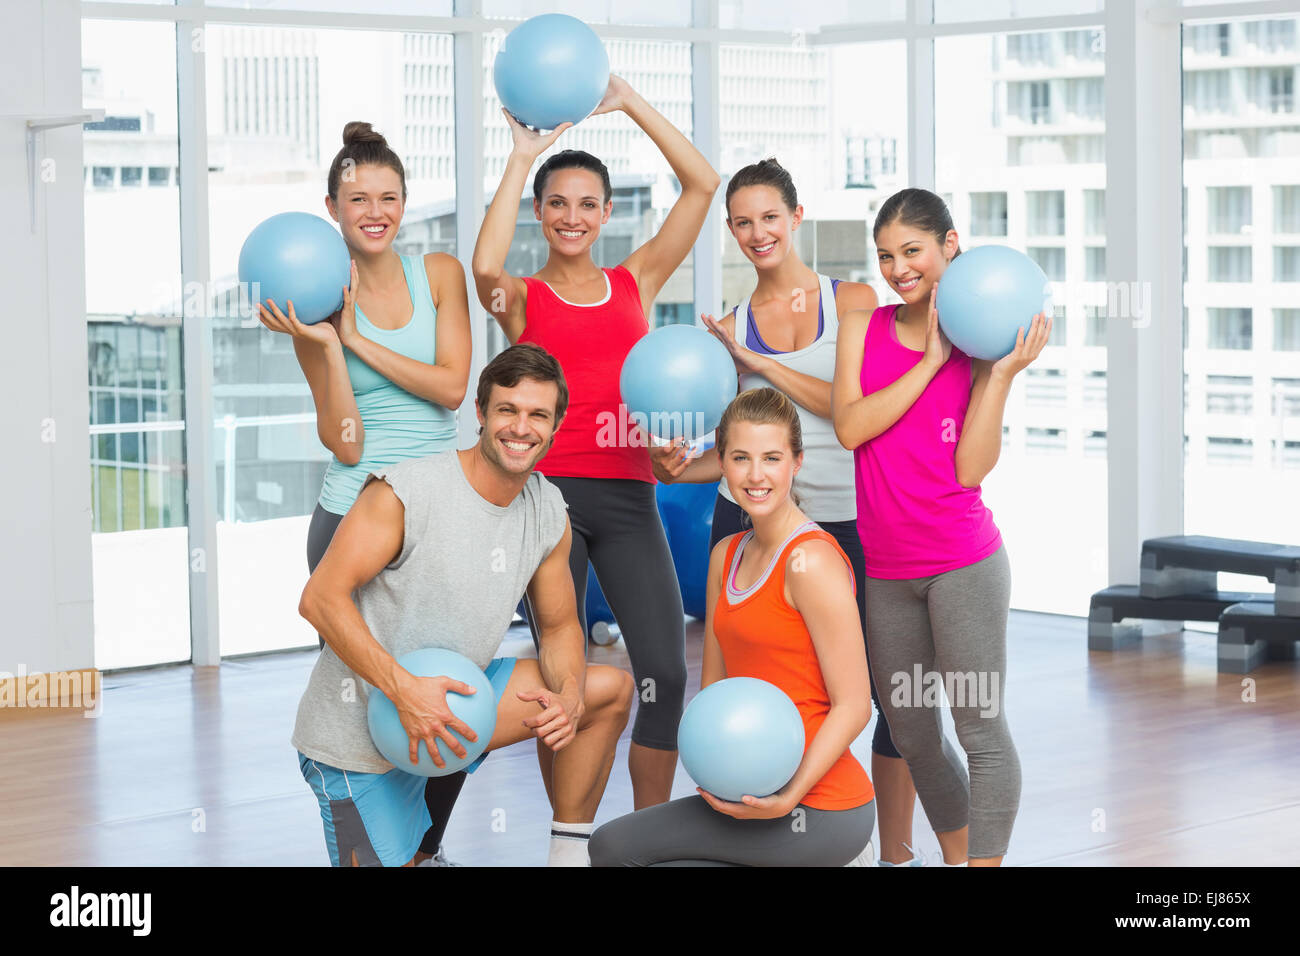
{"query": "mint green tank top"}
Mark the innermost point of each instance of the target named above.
(398, 425)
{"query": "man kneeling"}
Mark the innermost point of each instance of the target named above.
(438, 553)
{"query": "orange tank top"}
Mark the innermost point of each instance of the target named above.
(762, 636)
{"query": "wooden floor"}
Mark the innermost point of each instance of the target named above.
(1143, 757)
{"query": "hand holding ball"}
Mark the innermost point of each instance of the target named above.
(298, 257)
(741, 737)
(551, 69)
(478, 710)
(677, 381)
(987, 294)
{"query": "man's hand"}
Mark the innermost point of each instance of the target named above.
(422, 708)
(557, 724)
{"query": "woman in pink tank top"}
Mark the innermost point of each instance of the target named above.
(924, 421)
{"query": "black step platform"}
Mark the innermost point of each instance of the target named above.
(1188, 564)
(1123, 602)
(1253, 632)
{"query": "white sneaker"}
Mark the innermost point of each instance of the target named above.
(918, 859)
(866, 858)
(438, 859)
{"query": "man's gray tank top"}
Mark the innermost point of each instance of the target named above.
(463, 567)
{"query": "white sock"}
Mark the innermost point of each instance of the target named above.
(569, 844)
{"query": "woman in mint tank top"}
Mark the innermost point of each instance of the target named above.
(388, 371)
(783, 335)
(924, 421)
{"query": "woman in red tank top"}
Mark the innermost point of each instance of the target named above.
(781, 608)
(589, 318)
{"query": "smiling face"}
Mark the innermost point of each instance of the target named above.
(519, 424)
(572, 210)
(369, 208)
(912, 260)
(762, 224)
(759, 466)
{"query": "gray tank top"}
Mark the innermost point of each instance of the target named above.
(825, 482)
(463, 567)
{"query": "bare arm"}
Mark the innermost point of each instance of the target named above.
(561, 645)
(659, 257)
(859, 418)
(338, 420)
(443, 382)
(712, 668)
(819, 586)
(500, 293)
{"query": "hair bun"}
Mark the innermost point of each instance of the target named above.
(359, 132)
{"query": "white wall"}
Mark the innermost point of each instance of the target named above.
(45, 517)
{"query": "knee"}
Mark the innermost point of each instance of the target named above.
(601, 847)
(610, 690)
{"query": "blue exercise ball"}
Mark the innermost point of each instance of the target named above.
(551, 69)
(986, 295)
(478, 710)
(677, 381)
(741, 736)
(298, 256)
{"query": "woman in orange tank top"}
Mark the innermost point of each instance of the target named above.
(781, 608)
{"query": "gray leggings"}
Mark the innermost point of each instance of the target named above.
(950, 630)
(689, 832)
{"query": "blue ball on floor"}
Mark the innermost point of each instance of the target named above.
(741, 736)
(986, 295)
(478, 710)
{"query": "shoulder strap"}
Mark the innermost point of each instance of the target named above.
(741, 326)
(830, 315)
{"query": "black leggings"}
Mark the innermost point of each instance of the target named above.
(729, 518)
(440, 793)
(616, 527)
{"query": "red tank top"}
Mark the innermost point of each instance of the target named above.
(762, 636)
(590, 343)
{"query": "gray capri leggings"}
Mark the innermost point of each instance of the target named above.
(616, 526)
(953, 625)
(689, 832)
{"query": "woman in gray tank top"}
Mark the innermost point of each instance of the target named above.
(783, 335)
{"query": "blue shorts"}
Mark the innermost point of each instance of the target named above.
(380, 816)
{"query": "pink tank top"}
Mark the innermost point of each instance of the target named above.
(914, 519)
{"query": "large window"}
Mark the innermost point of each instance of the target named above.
(845, 161)
(139, 543)
(1242, 215)
(1050, 180)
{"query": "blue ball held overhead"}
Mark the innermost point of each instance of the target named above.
(298, 256)
(677, 381)
(986, 295)
(551, 69)
(741, 736)
(478, 710)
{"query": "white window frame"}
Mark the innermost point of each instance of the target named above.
(1144, 433)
